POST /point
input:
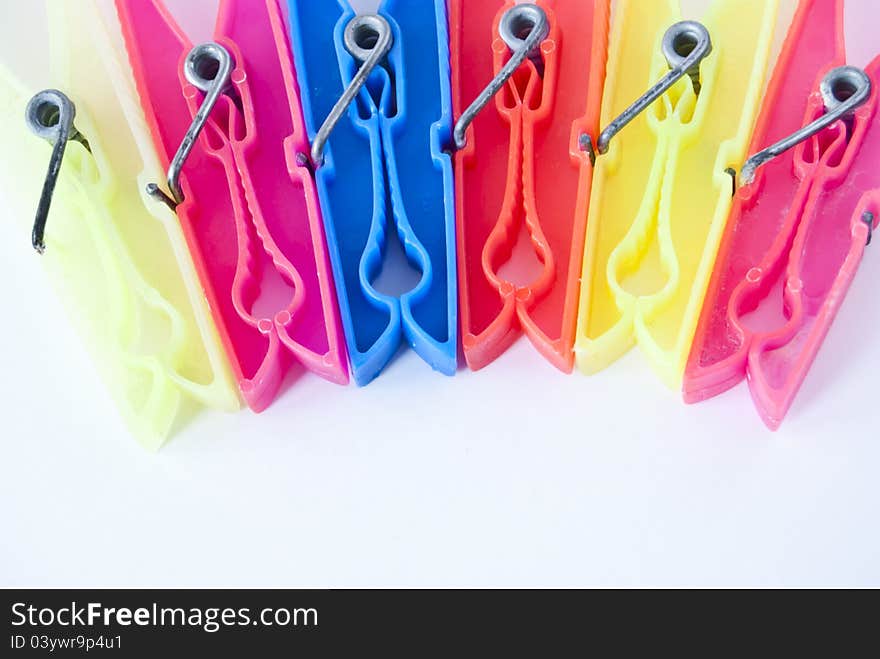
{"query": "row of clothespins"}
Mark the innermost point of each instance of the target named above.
(229, 203)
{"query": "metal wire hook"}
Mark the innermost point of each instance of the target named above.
(868, 218)
(369, 39)
(209, 68)
(523, 28)
(685, 45)
(843, 90)
(50, 115)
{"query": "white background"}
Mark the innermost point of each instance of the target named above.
(516, 475)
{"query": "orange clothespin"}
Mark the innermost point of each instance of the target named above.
(520, 162)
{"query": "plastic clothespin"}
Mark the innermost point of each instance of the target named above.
(799, 224)
(377, 106)
(118, 261)
(247, 206)
(520, 162)
(661, 193)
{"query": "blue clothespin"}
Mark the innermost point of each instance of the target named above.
(378, 123)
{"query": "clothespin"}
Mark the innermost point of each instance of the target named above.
(377, 106)
(533, 75)
(808, 202)
(118, 261)
(226, 118)
(661, 193)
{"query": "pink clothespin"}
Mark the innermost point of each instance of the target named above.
(227, 120)
(805, 211)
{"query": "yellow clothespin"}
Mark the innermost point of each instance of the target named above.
(661, 195)
(119, 261)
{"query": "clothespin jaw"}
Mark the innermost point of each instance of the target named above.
(227, 121)
(520, 166)
(802, 224)
(660, 194)
(383, 168)
(121, 269)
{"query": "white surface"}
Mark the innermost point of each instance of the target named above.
(517, 475)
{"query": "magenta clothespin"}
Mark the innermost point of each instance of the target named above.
(800, 221)
(247, 203)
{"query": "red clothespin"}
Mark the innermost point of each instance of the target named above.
(521, 160)
(226, 117)
(805, 211)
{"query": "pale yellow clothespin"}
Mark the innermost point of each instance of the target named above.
(119, 260)
(661, 195)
